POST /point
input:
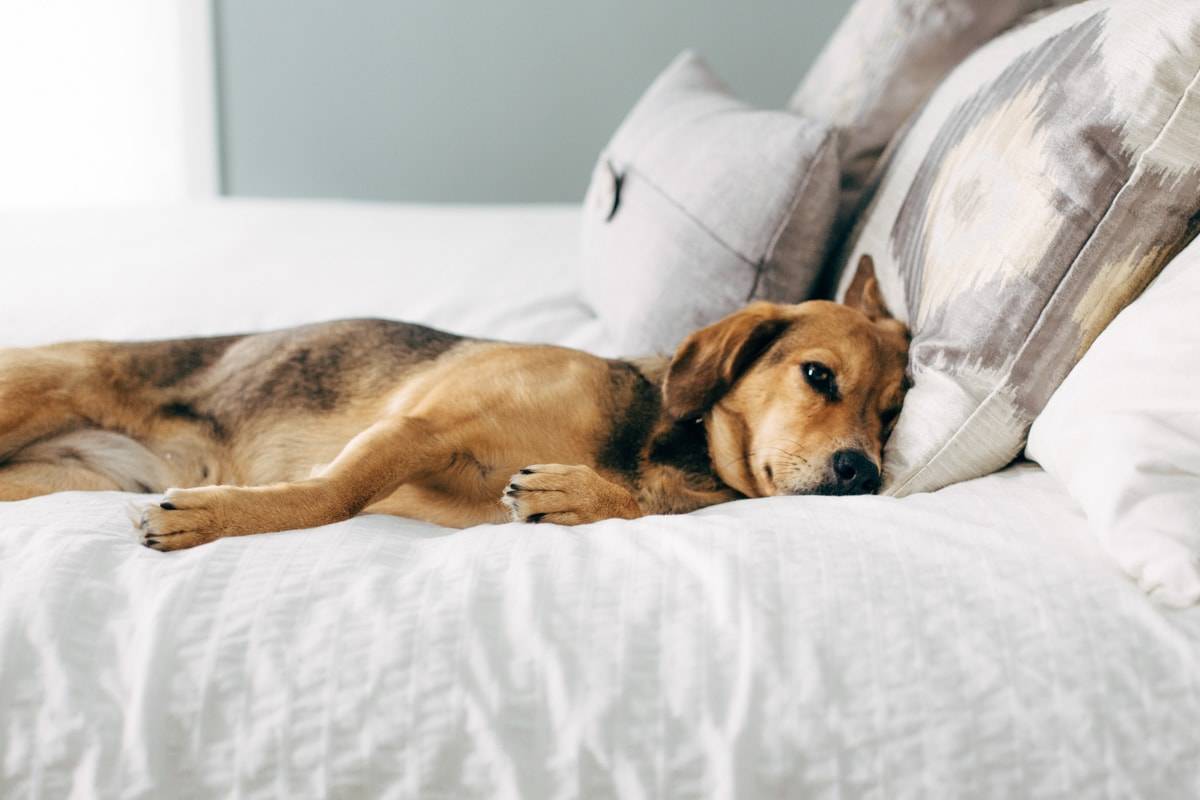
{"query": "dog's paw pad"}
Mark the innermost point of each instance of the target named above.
(565, 495)
(177, 522)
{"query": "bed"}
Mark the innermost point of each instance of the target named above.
(967, 642)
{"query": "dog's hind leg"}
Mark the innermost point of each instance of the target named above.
(57, 388)
(35, 395)
(83, 461)
(33, 479)
(372, 465)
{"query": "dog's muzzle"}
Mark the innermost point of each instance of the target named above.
(850, 472)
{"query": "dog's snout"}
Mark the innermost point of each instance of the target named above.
(855, 473)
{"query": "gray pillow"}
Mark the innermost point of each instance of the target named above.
(700, 204)
(881, 65)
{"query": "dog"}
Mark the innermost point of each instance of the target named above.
(406, 420)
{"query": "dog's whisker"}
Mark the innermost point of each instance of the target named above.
(751, 454)
(796, 455)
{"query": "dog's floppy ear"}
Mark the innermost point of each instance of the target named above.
(864, 294)
(711, 359)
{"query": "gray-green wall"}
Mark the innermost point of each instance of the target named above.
(471, 100)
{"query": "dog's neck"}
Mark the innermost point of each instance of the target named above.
(652, 368)
(681, 445)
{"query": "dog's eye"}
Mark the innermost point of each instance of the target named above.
(820, 378)
(888, 417)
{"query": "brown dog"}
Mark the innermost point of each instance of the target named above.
(402, 419)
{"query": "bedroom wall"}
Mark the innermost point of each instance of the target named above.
(470, 101)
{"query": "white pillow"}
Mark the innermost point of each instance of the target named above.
(1123, 433)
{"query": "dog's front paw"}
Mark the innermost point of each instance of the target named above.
(184, 518)
(566, 495)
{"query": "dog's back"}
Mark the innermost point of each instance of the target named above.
(142, 416)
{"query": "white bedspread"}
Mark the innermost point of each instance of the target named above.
(239, 266)
(968, 643)
(965, 644)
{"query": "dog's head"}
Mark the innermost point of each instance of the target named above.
(797, 399)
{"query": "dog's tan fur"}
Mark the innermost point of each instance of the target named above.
(311, 426)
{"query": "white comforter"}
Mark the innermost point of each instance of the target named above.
(972, 642)
(240, 266)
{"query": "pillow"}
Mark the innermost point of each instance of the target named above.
(883, 62)
(1123, 434)
(700, 204)
(1042, 187)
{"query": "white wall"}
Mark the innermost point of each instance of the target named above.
(105, 102)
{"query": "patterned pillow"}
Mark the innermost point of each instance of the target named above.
(883, 62)
(1048, 179)
(700, 204)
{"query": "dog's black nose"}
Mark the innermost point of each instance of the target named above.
(855, 473)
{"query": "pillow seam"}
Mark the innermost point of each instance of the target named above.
(691, 217)
(793, 204)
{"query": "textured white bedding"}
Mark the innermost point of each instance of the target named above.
(972, 642)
